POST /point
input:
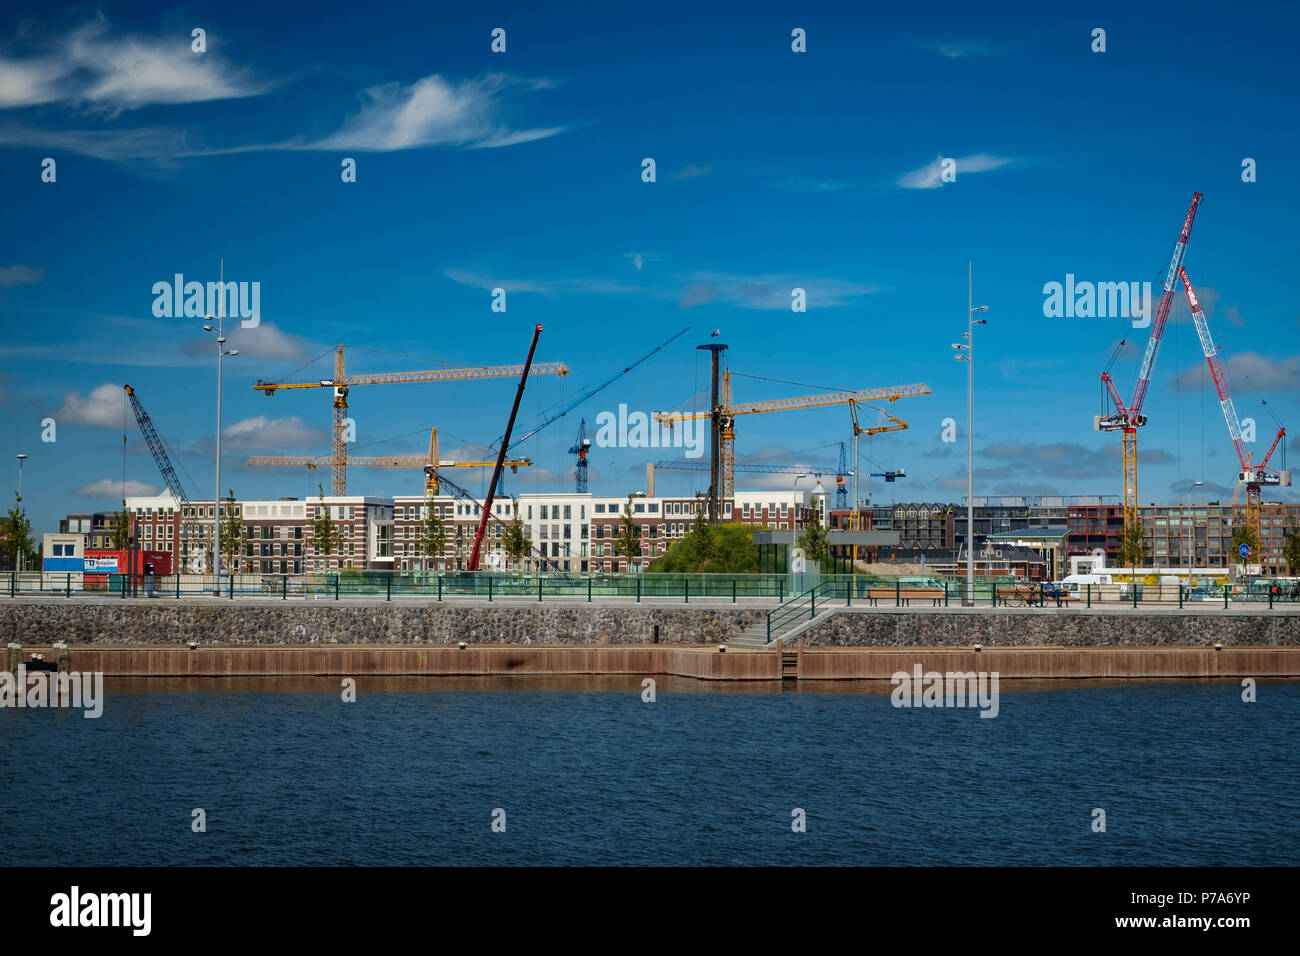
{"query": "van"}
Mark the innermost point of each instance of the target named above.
(1076, 583)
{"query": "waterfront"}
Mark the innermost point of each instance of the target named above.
(707, 774)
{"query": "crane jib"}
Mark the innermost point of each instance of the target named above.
(1162, 313)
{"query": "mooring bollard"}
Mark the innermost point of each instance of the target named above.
(13, 658)
(62, 659)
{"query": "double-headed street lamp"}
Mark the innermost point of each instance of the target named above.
(222, 352)
(966, 353)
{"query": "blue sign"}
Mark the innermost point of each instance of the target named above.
(1244, 551)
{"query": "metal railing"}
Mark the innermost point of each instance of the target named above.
(791, 592)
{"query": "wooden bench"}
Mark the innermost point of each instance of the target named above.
(1021, 594)
(905, 595)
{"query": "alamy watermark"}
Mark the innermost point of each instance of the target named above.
(950, 689)
(180, 299)
(49, 689)
(656, 430)
(1098, 300)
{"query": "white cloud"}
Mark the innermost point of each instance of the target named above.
(102, 407)
(113, 488)
(928, 176)
(20, 275)
(93, 70)
(272, 434)
(265, 340)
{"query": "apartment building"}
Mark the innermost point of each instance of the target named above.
(575, 532)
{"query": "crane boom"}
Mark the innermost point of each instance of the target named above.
(1211, 353)
(501, 454)
(1162, 312)
(156, 448)
(189, 526)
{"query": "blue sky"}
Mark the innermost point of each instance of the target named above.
(522, 170)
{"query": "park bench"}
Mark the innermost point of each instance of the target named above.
(905, 595)
(1018, 594)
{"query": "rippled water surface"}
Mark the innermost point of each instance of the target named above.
(586, 772)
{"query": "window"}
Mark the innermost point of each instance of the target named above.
(545, 512)
(638, 508)
(600, 509)
(568, 512)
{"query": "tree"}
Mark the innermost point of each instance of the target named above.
(431, 534)
(815, 544)
(713, 549)
(16, 537)
(1292, 547)
(514, 540)
(1132, 548)
(325, 535)
(233, 533)
(628, 540)
(120, 534)
(1244, 534)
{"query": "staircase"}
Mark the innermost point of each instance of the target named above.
(792, 618)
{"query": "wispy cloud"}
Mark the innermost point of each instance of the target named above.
(800, 184)
(960, 49)
(770, 291)
(433, 111)
(1249, 371)
(546, 287)
(773, 291)
(20, 275)
(639, 259)
(92, 70)
(693, 171)
(928, 176)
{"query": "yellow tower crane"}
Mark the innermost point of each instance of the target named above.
(727, 428)
(430, 463)
(341, 383)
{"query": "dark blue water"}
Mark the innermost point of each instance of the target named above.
(587, 773)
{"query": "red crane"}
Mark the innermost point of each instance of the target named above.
(1128, 418)
(1251, 475)
(501, 452)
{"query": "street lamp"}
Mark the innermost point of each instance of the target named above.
(222, 352)
(18, 555)
(966, 353)
(794, 533)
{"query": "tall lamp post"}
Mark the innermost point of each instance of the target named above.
(222, 352)
(18, 554)
(966, 353)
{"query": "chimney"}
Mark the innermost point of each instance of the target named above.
(650, 480)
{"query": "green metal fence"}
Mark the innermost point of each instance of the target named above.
(853, 590)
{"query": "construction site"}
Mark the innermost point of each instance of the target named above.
(1030, 539)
